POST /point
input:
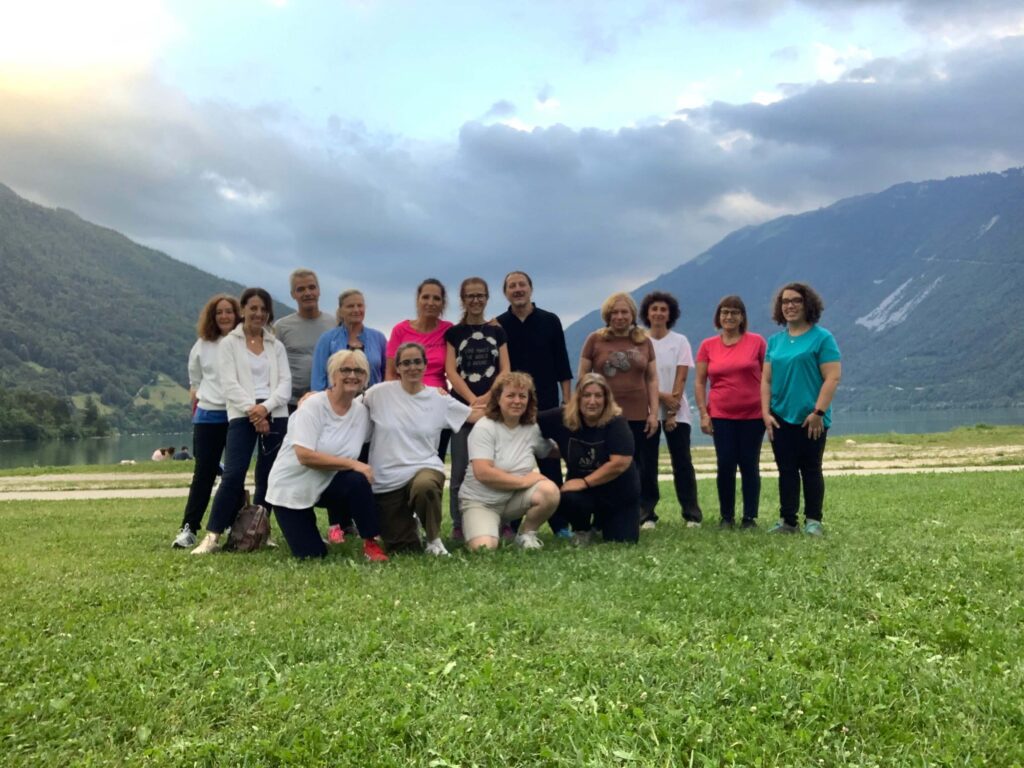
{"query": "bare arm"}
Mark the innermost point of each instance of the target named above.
(451, 370)
(615, 466)
(770, 424)
(700, 394)
(830, 374)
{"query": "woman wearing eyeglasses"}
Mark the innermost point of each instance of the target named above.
(801, 373)
(318, 462)
(477, 354)
(731, 411)
(408, 474)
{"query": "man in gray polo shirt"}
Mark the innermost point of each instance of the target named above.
(300, 331)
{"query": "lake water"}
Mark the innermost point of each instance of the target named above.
(110, 450)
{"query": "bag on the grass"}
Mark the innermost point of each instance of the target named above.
(250, 530)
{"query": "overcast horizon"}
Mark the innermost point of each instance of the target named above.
(594, 144)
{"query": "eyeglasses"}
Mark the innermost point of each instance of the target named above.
(796, 302)
(475, 297)
(351, 371)
(730, 313)
(417, 361)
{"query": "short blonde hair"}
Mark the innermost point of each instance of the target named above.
(341, 300)
(636, 333)
(571, 416)
(347, 356)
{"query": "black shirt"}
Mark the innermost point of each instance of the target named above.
(536, 345)
(588, 448)
(477, 354)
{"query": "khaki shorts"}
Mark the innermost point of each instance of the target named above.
(479, 519)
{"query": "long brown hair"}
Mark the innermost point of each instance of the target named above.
(207, 328)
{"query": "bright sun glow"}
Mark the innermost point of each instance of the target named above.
(55, 45)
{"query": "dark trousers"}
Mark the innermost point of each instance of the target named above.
(738, 444)
(242, 438)
(398, 511)
(683, 475)
(616, 515)
(640, 461)
(459, 465)
(207, 446)
(798, 458)
(339, 514)
(348, 491)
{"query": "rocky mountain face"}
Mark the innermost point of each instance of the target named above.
(923, 286)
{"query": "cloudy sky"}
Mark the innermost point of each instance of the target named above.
(595, 144)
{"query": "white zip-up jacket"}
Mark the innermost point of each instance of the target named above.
(203, 369)
(236, 375)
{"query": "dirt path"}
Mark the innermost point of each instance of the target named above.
(34, 488)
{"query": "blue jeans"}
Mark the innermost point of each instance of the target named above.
(242, 438)
(738, 444)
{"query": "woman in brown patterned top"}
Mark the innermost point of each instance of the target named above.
(624, 355)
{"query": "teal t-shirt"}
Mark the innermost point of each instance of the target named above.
(796, 376)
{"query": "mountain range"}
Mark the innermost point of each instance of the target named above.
(923, 286)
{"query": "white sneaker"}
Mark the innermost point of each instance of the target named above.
(209, 545)
(582, 538)
(528, 540)
(185, 538)
(648, 525)
(436, 548)
(693, 524)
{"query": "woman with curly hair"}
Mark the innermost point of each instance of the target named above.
(217, 319)
(801, 373)
(502, 482)
(674, 356)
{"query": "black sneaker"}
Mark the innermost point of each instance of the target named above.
(723, 523)
(748, 522)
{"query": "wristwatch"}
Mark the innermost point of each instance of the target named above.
(818, 412)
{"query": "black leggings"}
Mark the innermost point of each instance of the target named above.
(349, 491)
(798, 458)
(738, 444)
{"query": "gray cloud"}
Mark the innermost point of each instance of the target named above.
(499, 109)
(249, 194)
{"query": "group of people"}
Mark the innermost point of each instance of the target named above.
(345, 418)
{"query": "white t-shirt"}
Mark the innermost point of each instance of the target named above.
(317, 427)
(671, 352)
(512, 450)
(406, 430)
(259, 365)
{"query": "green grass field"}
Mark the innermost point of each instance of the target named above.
(894, 641)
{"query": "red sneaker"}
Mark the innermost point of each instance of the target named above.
(335, 535)
(373, 552)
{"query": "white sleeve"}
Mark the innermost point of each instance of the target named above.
(541, 445)
(685, 352)
(457, 413)
(234, 393)
(481, 441)
(304, 426)
(283, 391)
(195, 365)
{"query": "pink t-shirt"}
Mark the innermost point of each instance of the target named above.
(734, 373)
(433, 342)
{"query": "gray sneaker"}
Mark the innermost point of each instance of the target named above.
(783, 527)
(582, 538)
(185, 538)
(814, 528)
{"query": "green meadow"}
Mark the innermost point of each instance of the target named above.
(894, 641)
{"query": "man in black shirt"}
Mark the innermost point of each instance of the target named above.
(536, 345)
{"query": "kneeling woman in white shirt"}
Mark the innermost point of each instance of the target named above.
(257, 384)
(502, 482)
(319, 462)
(408, 475)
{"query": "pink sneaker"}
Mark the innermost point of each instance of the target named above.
(507, 534)
(335, 535)
(373, 552)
